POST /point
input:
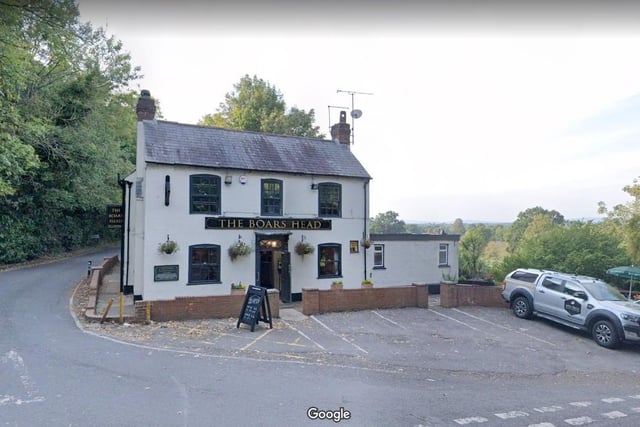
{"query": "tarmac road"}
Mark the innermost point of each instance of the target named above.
(405, 367)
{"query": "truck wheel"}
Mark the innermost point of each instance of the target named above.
(522, 308)
(605, 334)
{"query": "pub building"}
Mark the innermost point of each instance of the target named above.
(210, 207)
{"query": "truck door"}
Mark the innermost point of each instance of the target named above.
(550, 297)
(574, 303)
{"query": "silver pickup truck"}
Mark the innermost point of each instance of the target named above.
(579, 302)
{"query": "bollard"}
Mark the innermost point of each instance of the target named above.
(88, 268)
(121, 317)
(147, 313)
(106, 311)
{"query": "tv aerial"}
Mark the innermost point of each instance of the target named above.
(355, 114)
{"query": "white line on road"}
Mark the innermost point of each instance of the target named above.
(504, 327)
(12, 357)
(470, 420)
(388, 320)
(338, 335)
(455, 320)
(304, 335)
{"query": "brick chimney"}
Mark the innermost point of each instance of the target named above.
(146, 108)
(341, 132)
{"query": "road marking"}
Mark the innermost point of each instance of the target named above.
(580, 421)
(15, 360)
(580, 404)
(256, 340)
(614, 414)
(388, 320)
(455, 320)
(553, 408)
(613, 400)
(304, 335)
(470, 420)
(511, 414)
(338, 335)
(504, 327)
(542, 425)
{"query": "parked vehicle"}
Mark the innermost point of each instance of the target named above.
(579, 302)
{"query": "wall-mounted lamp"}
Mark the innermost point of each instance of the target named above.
(314, 186)
(228, 179)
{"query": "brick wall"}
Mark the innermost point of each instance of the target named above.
(191, 308)
(316, 301)
(456, 295)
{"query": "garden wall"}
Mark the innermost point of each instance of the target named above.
(315, 301)
(456, 295)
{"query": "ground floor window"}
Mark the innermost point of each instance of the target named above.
(204, 264)
(443, 254)
(329, 260)
(378, 256)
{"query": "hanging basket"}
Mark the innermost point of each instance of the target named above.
(169, 247)
(304, 248)
(238, 249)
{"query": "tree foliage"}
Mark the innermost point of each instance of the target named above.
(517, 229)
(255, 105)
(387, 222)
(67, 127)
(625, 219)
(472, 245)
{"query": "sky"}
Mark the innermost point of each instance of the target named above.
(476, 110)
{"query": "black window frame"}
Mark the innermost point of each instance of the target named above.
(326, 204)
(213, 199)
(215, 264)
(275, 207)
(337, 263)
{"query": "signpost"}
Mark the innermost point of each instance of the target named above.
(255, 308)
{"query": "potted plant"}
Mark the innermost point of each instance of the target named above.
(367, 283)
(239, 248)
(238, 289)
(168, 247)
(449, 278)
(303, 248)
(336, 284)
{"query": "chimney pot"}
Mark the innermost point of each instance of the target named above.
(146, 107)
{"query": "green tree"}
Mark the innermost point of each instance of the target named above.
(67, 127)
(257, 106)
(387, 222)
(625, 219)
(517, 229)
(472, 245)
(457, 227)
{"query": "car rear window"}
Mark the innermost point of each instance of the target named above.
(524, 276)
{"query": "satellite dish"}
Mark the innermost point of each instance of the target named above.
(356, 114)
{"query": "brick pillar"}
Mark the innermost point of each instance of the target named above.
(448, 295)
(422, 295)
(310, 301)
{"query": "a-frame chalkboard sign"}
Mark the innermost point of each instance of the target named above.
(255, 308)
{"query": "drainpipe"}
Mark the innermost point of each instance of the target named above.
(129, 183)
(364, 226)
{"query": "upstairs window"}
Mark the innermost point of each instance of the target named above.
(329, 260)
(443, 254)
(204, 192)
(204, 264)
(329, 200)
(271, 197)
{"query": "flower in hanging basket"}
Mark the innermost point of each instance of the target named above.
(366, 243)
(367, 283)
(239, 286)
(304, 248)
(168, 247)
(239, 248)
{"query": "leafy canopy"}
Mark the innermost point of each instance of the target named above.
(257, 106)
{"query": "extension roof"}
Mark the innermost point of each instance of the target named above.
(181, 144)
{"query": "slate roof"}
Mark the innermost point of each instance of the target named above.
(181, 144)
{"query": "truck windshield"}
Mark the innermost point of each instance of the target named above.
(603, 291)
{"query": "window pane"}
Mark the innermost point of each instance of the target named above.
(204, 264)
(330, 198)
(378, 255)
(443, 258)
(271, 197)
(205, 194)
(329, 260)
